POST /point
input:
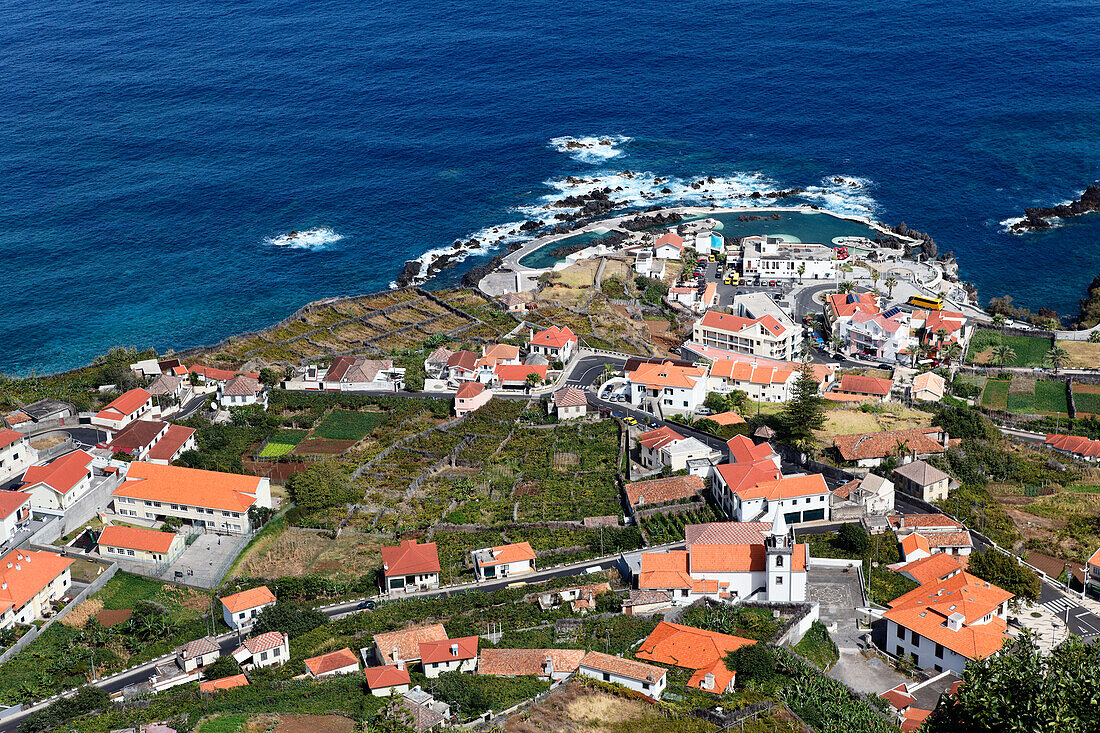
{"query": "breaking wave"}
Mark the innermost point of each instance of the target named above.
(315, 238)
(593, 150)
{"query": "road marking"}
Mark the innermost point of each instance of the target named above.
(1059, 605)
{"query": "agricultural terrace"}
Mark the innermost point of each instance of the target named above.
(662, 528)
(1082, 354)
(1023, 394)
(870, 417)
(1086, 398)
(1030, 350)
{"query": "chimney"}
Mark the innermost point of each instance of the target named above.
(547, 666)
(454, 650)
(396, 656)
(954, 621)
(708, 681)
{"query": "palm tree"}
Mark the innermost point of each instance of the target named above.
(1057, 356)
(1003, 354)
(838, 343)
(890, 282)
(998, 319)
(845, 286)
(875, 275)
(951, 352)
(801, 271)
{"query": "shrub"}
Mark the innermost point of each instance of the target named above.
(753, 663)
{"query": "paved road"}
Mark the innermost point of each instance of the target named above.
(1080, 621)
(586, 370)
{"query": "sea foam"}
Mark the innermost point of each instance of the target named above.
(316, 238)
(590, 149)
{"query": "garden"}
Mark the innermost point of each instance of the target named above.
(660, 529)
(1026, 395)
(1027, 351)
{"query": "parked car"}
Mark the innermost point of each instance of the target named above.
(367, 605)
(630, 421)
(704, 411)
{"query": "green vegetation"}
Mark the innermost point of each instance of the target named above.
(475, 694)
(348, 424)
(803, 413)
(818, 646)
(231, 723)
(1005, 572)
(319, 486)
(282, 442)
(745, 621)
(995, 395)
(1028, 351)
(660, 529)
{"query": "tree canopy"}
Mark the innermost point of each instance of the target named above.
(804, 412)
(1005, 572)
(321, 485)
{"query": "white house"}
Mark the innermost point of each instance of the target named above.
(30, 582)
(873, 494)
(387, 680)
(646, 265)
(800, 498)
(15, 514)
(765, 258)
(16, 454)
(239, 610)
(60, 483)
(198, 653)
(922, 480)
(549, 664)
(124, 409)
(669, 246)
(449, 655)
(766, 336)
(638, 676)
(341, 661)
(663, 446)
(667, 389)
(360, 374)
(261, 651)
(410, 567)
(709, 242)
(840, 307)
(242, 391)
(503, 561)
(875, 336)
(556, 344)
(138, 544)
(569, 403)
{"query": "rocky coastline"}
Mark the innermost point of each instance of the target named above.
(1040, 217)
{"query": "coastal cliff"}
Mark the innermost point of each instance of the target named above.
(1040, 216)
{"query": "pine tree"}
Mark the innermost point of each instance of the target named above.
(804, 413)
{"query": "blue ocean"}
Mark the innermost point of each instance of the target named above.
(156, 155)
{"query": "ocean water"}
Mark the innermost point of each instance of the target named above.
(156, 155)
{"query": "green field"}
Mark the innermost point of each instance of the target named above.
(124, 591)
(995, 396)
(1030, 350)
(282, 442)
(1051, 397)
(223, 724)
(348, 424)
(1086, 403)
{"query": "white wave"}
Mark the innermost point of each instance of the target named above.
(1007, 224)
(844, 195)
(591, 149)
(479, 242)
(315, 238)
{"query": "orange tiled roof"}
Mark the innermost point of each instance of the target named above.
(744, 475)
(553, 337)
(190, 486)
(721, 674)
(519, 372)
(410, 558)
(570, 397)
(173, 440)
(727, 418)
(661, 570)
(743, 450)
(848, 304)
(466, 390)
(858, 446)
(785, 487)
(30, 571)
(12, 501)
(407, 642)
(622, 667)
(858, 384)
(671, 238)
(667, 374)
(688, 647)
(60, 474)
(659, 437)
(225, 683)
(914, 542)
(503, 554)
(386, 676)
(524, 662)
(7, 437)
(931, 569)
(443, 651)
(658, 491)
(251, 598)
(1074, 444)
(136, 538)
(338, 659)
(125, 404)
(264, 642)
(1094, 560)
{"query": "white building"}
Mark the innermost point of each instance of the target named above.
(669, 246)
(261, 651)
(638, 676)
(663, 446)
(124, 409)
(765, 258)
(800, 498)
(449, 655)
(409, 567)
(667, 389)
(556, 344)
(709, 243)
(240, 610)
(503, 561)
(360, 374)
(569, 403)
(16, 454)
(766, 336)
(15, 514)
(30, 582)
(59, 484)
(387, 680)
(242, 391)
(874, 336)
(341, 661)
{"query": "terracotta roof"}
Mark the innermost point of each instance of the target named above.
(407, 642)
(124, 404)
(570, 397)
(137, 435)
(914, 719)
(948, 539)
(410, 558)
(727, 418)
(857, 384)
(622, 667)
(332, 661)
(524, 662)
(667, 375)
(844, 490)
(18, 418)
(889, 325)
(225, 683)
(356, 370)
(501, 352)
(721, 675)
(241, 386)
(467, 390)
(519, 372)
(167, 447)
(553, 337)
(688, 647)
(190, 486)
(1074, 444)
(263, 642)
(448, 650)
(462, 360)
(7, 437)
(744, 475)
(743, 450)
(921, 473)
(642, 597)
(658, 491)
(30, 572)
(726, 533)
(913, 543)
(251, 598)
(661, 570)
(659, 437)
(388, 675)
(929, 382)
(12, 501)
(671, 238)
(60, 474)
(858, 446)
(442, 354)
(502, 554)
(136, 538)
(848, 304)
(199, 647)
(940, 522)
(165, 384)
(1094, 560)
(898, 697)
(931, 569)
(785, 487)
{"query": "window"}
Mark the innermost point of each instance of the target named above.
(914, 638)
(606, 677)
(901, 632)
(939, 651)
(779, 580)
(779, 561)
(130, 553)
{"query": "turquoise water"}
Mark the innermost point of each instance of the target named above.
(541, 257)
